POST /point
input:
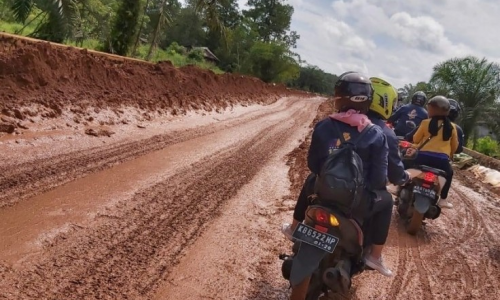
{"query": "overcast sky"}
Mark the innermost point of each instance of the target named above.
(398, 40)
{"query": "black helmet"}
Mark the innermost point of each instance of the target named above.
(419, 98)
(400, 97)
(353, 91)
(440, 102)
(455, 110)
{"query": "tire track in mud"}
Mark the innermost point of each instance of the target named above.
(479, 234)
(125, 257)
(34, 177)
(403, 258)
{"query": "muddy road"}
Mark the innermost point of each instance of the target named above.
(194, 212)
(142, 181)
(112, 222)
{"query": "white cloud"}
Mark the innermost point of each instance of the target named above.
(397, 40)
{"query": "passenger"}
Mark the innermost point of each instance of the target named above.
(441, 141)
(455, 111)
(353, 97)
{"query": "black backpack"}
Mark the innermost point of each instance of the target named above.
(340, 182)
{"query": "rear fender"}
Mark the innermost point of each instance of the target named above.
(305, 262)
(421, 203)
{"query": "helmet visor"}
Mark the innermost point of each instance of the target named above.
(358, 90)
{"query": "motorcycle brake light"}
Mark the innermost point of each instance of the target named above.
(405, 144)
(321, 216)
(324, 217)
(430, 177)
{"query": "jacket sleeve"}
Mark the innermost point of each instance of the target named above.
(461, 138)
(315, 156)
(454, 142)
(409, 136)
(378, 157)
(395, 116)
(395, 168)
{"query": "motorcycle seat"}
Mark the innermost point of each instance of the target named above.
(432, 170)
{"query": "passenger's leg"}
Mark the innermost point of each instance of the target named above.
(299, 213)
(381, 215)
(444, 202)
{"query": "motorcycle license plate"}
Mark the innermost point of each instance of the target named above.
(311, 236)
(431, 193)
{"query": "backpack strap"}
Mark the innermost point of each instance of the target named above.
(357, 139)
(430, 138)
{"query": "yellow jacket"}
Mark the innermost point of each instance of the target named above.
(436, 144)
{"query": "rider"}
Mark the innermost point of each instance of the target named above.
(380, 110)
(441, 146)
(353, 97)
(409, 116)
(455, 111)
(400, 101)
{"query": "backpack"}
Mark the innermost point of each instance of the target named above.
(340, 182)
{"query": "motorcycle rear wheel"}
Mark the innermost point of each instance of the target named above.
(415, 223)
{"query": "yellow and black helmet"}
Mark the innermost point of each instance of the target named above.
(385, 97)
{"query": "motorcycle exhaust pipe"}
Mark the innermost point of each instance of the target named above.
(338, 279)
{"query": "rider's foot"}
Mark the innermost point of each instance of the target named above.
(443, 203)
(378, 265)
(287, 231)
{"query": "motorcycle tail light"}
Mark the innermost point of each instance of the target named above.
(430, 177)
(405, 144)
(325, 218)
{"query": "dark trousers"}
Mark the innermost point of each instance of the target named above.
(375, 210)
(437, 163)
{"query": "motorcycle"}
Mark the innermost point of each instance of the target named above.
(418, 199)
(327, 253)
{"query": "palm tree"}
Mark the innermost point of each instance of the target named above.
(473, 82)
(57, 17)
(409, 89)
(163, 17)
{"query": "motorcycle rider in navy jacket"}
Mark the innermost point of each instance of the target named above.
(378, 166)
(409, 116)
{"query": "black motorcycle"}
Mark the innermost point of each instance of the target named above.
(418, 199)
(327, 253)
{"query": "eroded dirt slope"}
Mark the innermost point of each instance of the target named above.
(39, 80)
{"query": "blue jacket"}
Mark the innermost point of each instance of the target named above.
(395, 169)
(460, 133)
(372, 150)
(405, 114)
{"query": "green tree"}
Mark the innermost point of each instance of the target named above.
(313, 79)
(125, 27)
(271, 62)
(272, 19)
(55, 19)
(473, 82)
(186, 29)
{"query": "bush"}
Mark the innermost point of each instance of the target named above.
(175, 48)
(196, 55)
(487, 146)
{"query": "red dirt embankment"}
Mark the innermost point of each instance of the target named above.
(39, 80)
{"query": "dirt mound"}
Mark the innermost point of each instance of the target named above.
(43, 80)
